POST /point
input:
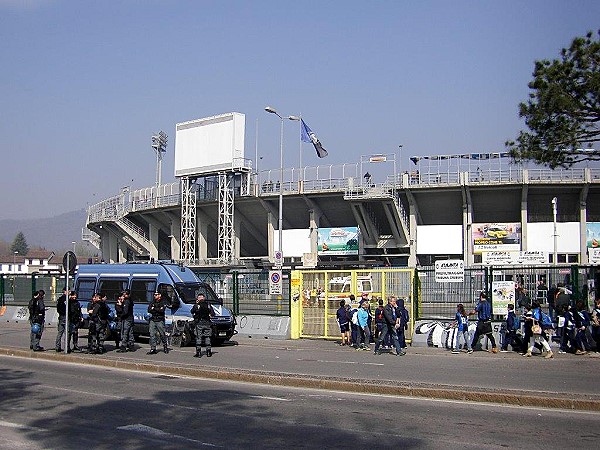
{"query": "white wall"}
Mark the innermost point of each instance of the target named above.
(295, 242)
(540, 237)
(439, 240)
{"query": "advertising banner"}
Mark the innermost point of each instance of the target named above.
(450, 271)
(593, 234)
(503, 293)
(594, 255)
(337, 241)
(496, 237)
(499, 258)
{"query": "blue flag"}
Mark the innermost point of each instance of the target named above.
(311, 138)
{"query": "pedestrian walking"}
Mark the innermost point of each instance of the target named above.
(484, 322)
(404, 317)
(462, 327)
(363, 325)
(156, 309)
(202, 312)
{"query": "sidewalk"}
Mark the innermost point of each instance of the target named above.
(567, 381)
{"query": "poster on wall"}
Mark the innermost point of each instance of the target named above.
(337, 241)
(503, 293)
(496, 237)
(592, 230)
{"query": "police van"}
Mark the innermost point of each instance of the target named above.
(178, 284)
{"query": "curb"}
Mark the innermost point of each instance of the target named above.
(541, 399)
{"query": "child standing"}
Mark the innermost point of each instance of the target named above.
(512, 325)
(462, 324)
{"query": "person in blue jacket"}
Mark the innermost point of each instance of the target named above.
(462, 327)
(363, 324)
(512, 326)
(484, 322)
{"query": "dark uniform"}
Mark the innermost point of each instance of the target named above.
(75, 319)
(202, 313)
(61, 309)
(157, 322)
(37, 314)
(99, 316)
(124, 310)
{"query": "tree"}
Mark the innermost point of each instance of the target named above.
(20, 244)
(563, 110)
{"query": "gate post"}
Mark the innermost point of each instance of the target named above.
(1, 289)
(575, 282)
(235, 293)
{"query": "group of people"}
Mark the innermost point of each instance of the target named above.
(356, 324)
(102, 323)
(533, 328)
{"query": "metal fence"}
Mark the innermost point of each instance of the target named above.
(439, 300)
(18, 289)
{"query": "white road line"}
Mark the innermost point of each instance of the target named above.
(155, 432)
(280, 399)
(19, 426)
(340, 362)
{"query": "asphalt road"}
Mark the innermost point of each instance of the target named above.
(46, 404)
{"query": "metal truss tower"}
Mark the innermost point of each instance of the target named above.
(188, 221)
(226, 229)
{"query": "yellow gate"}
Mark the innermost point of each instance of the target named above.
(316, 296)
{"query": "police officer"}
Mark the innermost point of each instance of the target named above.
(157, 322)
(92, 344)
(37, 315)
(202, 312)
(61, 309)
(75, 320)
(124, 308)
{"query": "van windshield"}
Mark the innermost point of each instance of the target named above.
(189, 291)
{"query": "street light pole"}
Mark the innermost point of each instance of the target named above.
(555, 235)
(272, 110)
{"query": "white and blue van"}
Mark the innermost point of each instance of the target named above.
(179, 285)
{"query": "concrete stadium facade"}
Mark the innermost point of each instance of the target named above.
(391, 214)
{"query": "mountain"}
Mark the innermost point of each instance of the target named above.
(53, 233)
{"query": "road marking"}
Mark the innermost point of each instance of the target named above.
(155, 432)
(280, 399)
(19, 426)
(339, 362)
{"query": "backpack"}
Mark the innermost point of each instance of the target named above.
(355, 317)
(546, 321)
(379, 315)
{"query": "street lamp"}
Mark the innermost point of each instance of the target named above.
(272, 110)
(159, 144)
(554, 210)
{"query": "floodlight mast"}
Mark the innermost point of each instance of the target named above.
(159, 144)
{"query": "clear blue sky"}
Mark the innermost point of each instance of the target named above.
(84, 84)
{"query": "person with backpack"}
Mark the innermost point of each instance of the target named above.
(462, 329)
(538, 334)
(37, 315)
(513, 324)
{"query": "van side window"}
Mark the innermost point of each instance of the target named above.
(85, 289)
(112, 287)
(142, 291)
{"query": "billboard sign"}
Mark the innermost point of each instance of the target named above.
(450, 271)
(337, 241)
(496, 237)
(592, 230)
(517, 258)
(503, 293)
(594, 255)
(211, 144)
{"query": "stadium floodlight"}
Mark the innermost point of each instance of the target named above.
(159, 144)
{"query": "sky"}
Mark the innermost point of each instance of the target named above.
(84, 85)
